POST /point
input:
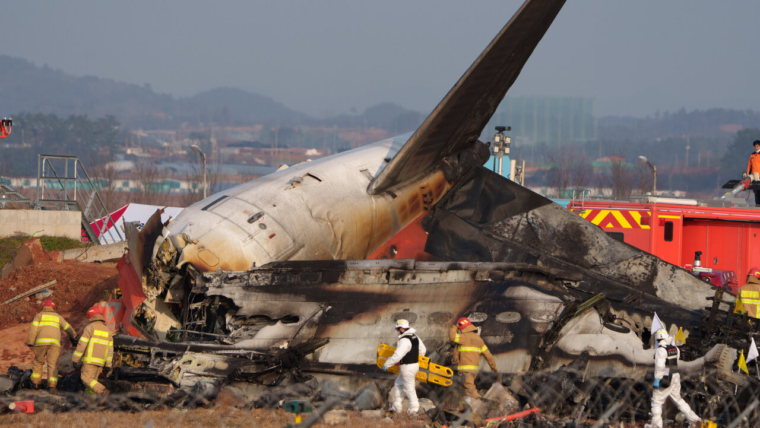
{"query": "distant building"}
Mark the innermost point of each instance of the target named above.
(550, 120)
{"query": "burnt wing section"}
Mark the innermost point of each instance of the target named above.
(490, 218)
(457, 121)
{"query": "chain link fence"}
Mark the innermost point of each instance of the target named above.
(565, 399)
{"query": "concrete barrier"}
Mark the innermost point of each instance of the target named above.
(41, 222)
(96, 253)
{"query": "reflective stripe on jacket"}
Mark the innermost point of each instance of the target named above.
(471, 347)
(96, 345)
(46, 328)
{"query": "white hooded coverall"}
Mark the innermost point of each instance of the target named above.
(405, 380)
(673, 391)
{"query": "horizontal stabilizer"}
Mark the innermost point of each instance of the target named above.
(460, 117)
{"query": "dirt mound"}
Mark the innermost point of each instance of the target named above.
(79, 286)
(30, 253)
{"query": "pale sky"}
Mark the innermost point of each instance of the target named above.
(327, 56)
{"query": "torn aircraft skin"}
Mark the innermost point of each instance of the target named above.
(531, 317)
(260, 269)
(487, 217)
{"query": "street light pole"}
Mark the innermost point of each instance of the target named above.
(203, 158)
(643, 160)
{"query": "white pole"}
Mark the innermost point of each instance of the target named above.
(203, 155)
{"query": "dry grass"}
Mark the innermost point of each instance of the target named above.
(207, 418)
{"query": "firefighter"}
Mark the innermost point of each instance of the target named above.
(467, 355)
(95, 350)
(749, 293)
(753, 166)
(45, 340)
(667, 381)
(407, 356)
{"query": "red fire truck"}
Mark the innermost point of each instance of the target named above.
(724, 234)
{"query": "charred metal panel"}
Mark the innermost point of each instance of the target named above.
(355, 304)
(141, 241)
(498, 220)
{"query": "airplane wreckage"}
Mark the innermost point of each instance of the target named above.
(297, 268)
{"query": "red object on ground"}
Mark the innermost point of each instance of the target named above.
(22, 406)
(514, 416)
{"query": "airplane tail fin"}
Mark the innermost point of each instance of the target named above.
(457, 121)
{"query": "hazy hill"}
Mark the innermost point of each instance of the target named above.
(25, 87)
(235, 106)
(389, 116)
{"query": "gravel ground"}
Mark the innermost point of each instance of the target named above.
(224, 417)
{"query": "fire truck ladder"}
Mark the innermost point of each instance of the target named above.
(74, 191)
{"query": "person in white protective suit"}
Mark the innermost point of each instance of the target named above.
(408, 351)
(667, 381)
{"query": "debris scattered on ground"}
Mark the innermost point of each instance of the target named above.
(34, 290)
(79, 286)
(564, 396)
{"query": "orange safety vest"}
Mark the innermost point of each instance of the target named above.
(754, 163)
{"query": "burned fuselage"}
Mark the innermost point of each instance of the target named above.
(531, 317)
(256, 269)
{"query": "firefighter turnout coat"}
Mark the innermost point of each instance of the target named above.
(46, 329)
(470, 348)
(96, 345)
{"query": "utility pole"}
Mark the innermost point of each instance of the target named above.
(203, 157)
(687, 153)
(643, 160)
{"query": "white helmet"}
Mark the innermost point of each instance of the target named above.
(402, 324)
(661, 334)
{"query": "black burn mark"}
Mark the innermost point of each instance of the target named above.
(616, 358)
(217, 200)
(147, 237)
